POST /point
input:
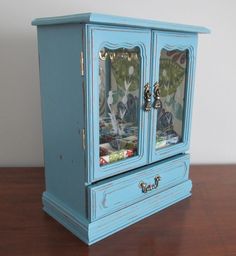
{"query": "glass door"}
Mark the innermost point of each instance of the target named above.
(118, 65)
(119, 104)
(173, 67)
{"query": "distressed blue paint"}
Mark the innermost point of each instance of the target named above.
(97, 230)
(173, 41)
(63, 113)
(116, 20)
(77, 193)
(114, 194)
(110, 37)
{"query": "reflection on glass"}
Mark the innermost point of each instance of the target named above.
(172, 77)
(119, 80)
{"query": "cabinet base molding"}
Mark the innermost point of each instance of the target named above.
(91, 232)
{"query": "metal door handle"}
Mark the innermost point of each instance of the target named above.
(148, 187)
(157, 96)
(147, 97)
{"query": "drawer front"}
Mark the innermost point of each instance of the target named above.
(116, 193)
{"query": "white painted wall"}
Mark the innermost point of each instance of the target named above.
(214, 119)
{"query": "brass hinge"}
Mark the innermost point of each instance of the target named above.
(82, 63)
(83, 135)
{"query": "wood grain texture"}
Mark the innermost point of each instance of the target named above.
(201, 225)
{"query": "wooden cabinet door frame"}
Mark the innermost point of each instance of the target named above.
(97, 37)
(173, 41)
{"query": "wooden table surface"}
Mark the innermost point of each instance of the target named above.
(204, 224)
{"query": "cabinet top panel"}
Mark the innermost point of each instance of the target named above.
(117, 20)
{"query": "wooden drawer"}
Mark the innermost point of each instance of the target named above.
(118, 192)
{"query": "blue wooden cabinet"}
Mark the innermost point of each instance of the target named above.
(117, 99)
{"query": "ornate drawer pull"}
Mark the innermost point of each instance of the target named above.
(147, 97)
(148, 187)
(157, 96)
